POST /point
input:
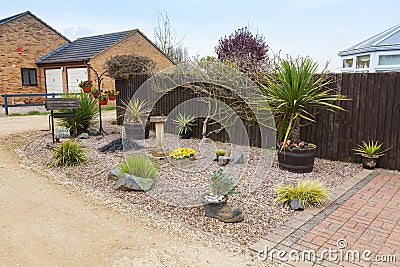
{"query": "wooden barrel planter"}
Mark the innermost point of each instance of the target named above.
(298, 161)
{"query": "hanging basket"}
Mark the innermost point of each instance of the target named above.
(86, 89)
(103, 102)
(112, 97)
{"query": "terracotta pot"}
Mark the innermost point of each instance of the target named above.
(298, 161)
(86, 89)
(112, 97)
(103, 102)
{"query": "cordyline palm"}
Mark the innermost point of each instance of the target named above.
(291, 90)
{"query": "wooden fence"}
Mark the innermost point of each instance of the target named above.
(372, 113)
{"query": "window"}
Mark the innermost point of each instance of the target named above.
(363, 62)
(389, 60)
(348, 63)
(28, 76)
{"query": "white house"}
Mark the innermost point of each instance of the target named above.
(380, 53)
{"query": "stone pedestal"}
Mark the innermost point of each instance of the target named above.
(159, 122)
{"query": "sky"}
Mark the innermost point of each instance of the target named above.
(315, 28)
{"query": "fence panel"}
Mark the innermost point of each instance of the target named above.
(372, 113)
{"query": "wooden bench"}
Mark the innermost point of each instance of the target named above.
(62, 104)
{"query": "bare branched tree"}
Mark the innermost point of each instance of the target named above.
(166, 40)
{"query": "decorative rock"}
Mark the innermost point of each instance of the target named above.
(115, 132)
(297, 205)
(294, 184)
(114, 174)
(223, 160)
(93, 132)
(83, 136)
(118, 144)
(62, 132)
(129, 182)
(238, 159)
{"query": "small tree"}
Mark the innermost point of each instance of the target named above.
(165, 39)
(246, 51)
(124, 66)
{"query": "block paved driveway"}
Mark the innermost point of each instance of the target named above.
(364, 220)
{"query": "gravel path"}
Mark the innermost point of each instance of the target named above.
(262, 212)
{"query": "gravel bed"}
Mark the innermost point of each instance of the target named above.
(257, 200)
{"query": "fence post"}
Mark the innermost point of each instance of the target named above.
(5, 103)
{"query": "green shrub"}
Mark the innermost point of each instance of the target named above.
(84, 116)
(69, 153)
(140, 166)
(309, 192)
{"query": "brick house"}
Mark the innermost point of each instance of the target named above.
(35, 58)
(23, 39)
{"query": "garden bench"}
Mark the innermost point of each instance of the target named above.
(53, 104)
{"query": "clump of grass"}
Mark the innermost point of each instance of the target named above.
(220, 152)
(69, 153)
(140, 166)
(309, 192)
(222, 184)
(29, 113)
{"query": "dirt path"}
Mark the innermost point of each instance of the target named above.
(43, 223)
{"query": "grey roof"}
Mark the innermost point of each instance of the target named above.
(8, 19)
(384, 41)
(85, 48)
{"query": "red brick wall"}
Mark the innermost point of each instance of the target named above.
(36, 40)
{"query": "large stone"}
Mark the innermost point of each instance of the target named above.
(129, 182)
(115, 174)
(120, 144)
(297, 205)
(83, 136)
(238, 159)
(93, 132)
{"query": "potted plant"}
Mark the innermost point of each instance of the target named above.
(215, 201)
(219, 153)
(86, 86)
(181, 156)
(370, 153)
(112, 94)
(103, 98)
(184, 124)
(292, 88)
(136, 114)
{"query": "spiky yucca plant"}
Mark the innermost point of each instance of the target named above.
(291, 89)
(309, 192)
(69, 153)
(370, 149)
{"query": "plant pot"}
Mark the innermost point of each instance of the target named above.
(182, 163)
(134, 130)
(95, 95)
(298, 161)
(186, 135)
(369, 162)
(103, 102)
(112, 97)
(86, 89)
